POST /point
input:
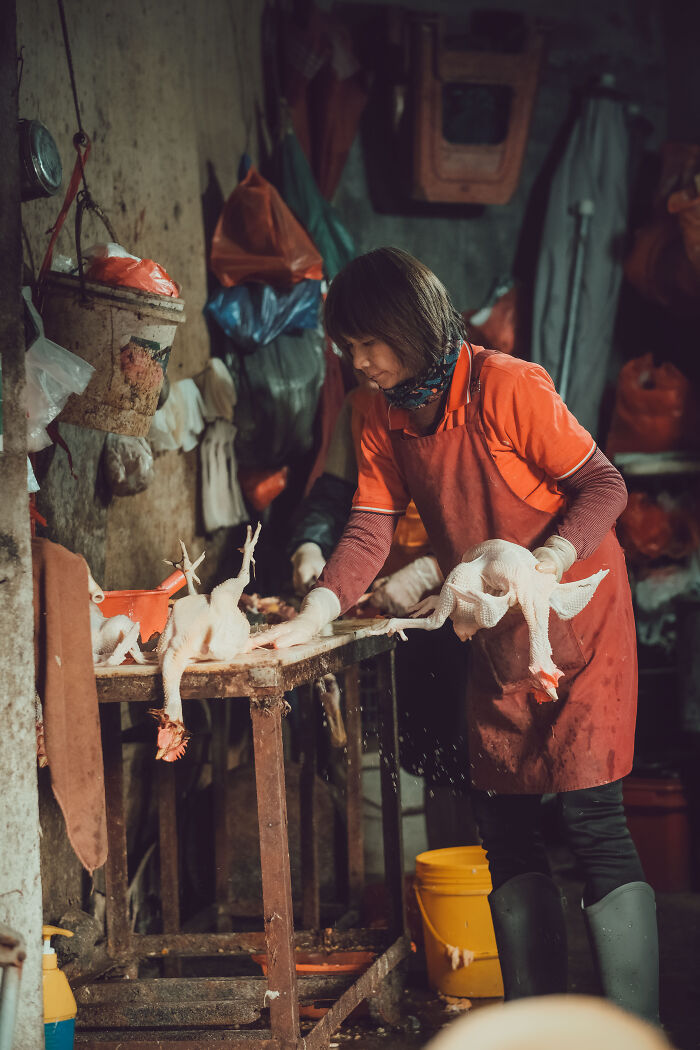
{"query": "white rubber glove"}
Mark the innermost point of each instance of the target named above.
(557, 555)
(319, 608)
(396, 594)
(307, 566)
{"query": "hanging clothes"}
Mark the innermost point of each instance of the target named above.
(324, 86)
(588, 204)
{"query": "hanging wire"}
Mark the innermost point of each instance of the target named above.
(20, 67)
(80, 139)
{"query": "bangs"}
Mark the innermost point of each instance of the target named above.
(356, 305)
(389, 295)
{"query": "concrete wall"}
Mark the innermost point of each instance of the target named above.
(20, 888)
(168, 95)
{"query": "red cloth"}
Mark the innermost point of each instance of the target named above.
(324, 87)
(65, 681)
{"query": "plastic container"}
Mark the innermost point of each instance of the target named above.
(322, 963)
(147, 608)
(452, 887)
(59, 1002)
(126, 335)
(657, 816)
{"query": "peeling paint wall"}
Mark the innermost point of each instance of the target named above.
(20, 886)
(168, 95)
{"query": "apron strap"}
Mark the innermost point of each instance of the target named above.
(474, 406)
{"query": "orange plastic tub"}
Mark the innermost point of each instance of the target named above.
(320, 963)
(148, 608)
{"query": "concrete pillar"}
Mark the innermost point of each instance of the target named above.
(20, 884)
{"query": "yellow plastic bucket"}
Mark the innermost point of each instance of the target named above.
(452, 887)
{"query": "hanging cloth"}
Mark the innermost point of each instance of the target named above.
(594, 171)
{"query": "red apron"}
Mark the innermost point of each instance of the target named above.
(517, 745)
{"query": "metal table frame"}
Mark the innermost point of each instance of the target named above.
(140, 1014)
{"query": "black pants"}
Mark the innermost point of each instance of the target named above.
(596, 831)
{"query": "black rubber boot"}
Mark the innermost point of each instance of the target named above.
(624, 938)
(528, 920)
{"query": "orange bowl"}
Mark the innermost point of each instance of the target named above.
(147, 608)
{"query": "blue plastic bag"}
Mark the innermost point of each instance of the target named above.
(255, 314)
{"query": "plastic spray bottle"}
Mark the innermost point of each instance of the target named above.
(59, 1002)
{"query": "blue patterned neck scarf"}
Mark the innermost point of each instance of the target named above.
(426, 387)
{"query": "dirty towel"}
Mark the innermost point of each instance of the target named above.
(65, 679)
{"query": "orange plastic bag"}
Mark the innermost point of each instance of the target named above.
(144, 274)
(654, 409)
(648, 531)
(261, 487)
(500, 327)
(664, 262)
(258, 239)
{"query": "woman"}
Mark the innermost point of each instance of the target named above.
(432, 742)
(486, 449)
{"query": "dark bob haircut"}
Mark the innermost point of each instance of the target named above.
(391, 296)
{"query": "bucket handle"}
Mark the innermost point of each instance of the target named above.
(172, 583)
(449, 948)
(84, 203)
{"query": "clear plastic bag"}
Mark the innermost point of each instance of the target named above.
(53, 374)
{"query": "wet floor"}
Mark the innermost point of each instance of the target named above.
(424, 1014)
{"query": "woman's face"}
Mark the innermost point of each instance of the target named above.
(376, 361)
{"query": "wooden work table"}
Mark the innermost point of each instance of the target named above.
(194, 1012)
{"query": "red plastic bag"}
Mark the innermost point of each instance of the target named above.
(664, 263)
(258, 239)
(499, 328)
(648, 530)
(654, 409)
(261, 487)
(685, 204)
(144, 274)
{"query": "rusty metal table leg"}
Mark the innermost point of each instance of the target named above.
(116, 871)
(266, 714)
(308, 807)
(353, 786)
(218, 753)
(391, 792)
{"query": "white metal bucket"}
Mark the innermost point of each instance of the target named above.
(126, 335)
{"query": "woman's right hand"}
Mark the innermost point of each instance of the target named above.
(293, 632)
(319, 608)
